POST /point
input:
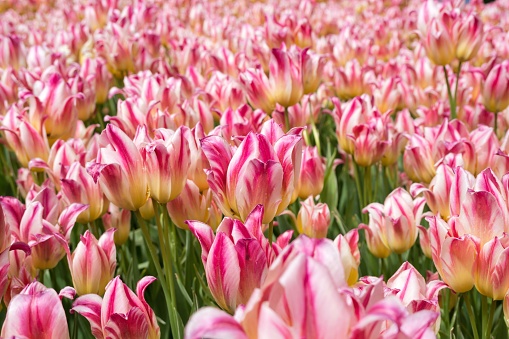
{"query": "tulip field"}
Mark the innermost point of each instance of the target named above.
(233, 169)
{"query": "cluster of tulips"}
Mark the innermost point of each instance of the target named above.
(239, 169)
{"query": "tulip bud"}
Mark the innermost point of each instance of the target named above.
(119, 220)
(258, 89)
(79, 187)
(312, 69)
(350, 255)
(491, 275)
(454, 257)
(313, 220)
(36, 312)
(92, 264)
(375, 231)
(191, 204)
(120, 171)
(496, 88)
(438, 42)
(285, 77)
(167, 159)
(312, 171)
(468, 34)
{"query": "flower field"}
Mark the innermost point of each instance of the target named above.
(240, 169)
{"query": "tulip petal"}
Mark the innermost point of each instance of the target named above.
(89, 306)
(211, 322)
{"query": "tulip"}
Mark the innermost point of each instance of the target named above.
(418, 159)
(120, 171)
(92, 264)
(375, 231)
(198, 161)
(438, 192)
(286, 77)
(25, 140)
(312, 69)
(369, 146)
(455, 257)
(79, 187)
(97, 71)
(350, 255)
(120, 220)
(235, 177)
(235, 260)
(55, 102)
(438, 41)
(495, 93)
(120, 313)
(313, 219)
(191, 204)
(491, 277)
(167, 159)
(312, 172)
(35, 313)
(258, 89)
(468, 34)
(401, 216)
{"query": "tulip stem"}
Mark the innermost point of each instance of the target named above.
(487, 316)
(271, 232)
(456, 90)
(452, 102)
(495, 124)
(471, 316)
(455, 314)
(316, 136)
(170, 304)
(287, 121)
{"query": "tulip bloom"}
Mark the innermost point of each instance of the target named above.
(120, 220)
(313, 219)
(312, 70)
(236, 259)
(35, 313)
(438, 41)
(167, 159)
(262, 170)
(350, 256)
(491, 275)
(495, 96)
(79, 187)
(121, 313)
(92, 264)
(286, 76)
(468, 34)
(191, 204)
(312, 172)
(120, 171)
(455, 257)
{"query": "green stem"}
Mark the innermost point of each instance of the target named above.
(471, 316)
(75, 328)
(484, 308)
(170, 302)
(287, 120)
(452, 324)
(316, 136)
(452, 102)
(271, 232)
(496, 124)
(487, 330)
(453, 116)
(368, 189)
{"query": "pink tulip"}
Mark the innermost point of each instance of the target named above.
(468, 34)
(236, 259)
(312, 171)
(191, 204)
(26, 141)
(491, 277)
(375, 231)
(92, 264)
(167, 160)
(348, 246)
(120, 171)
(313, 219)
(258, 90)
(36, 312)
(286, 76)
(13, 52)
(455, 257)
(198, 161)
(79, 187)
(418, 159)
(235, 176)
(495, 93)
(438, 191)
(120, 220)
(54, 103)
(312, 70)
(401, 216)
(97, 71)
(120, 313)
(438, 42)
